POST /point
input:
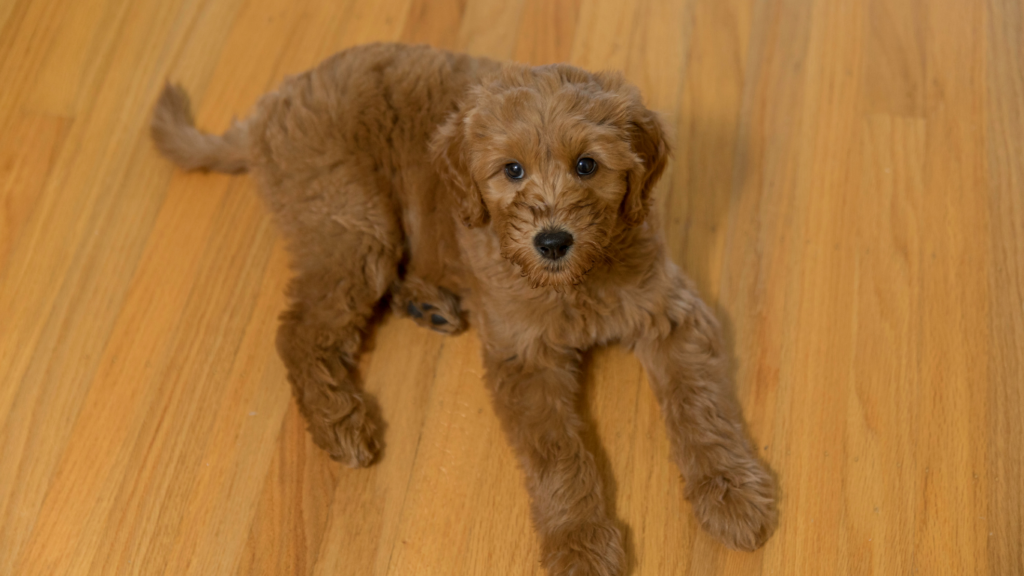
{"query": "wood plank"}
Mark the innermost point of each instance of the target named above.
(491, 29)
(1004, 134)
(29, 27)
(894, 59)
(26, 159)
(291, 516)
(434, 22)
(760, 288)
(546, 32)
(824, 322)
(698, 192)
(886, 384)
(604, 34)
(954, 335)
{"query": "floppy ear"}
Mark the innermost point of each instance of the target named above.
(647, 137)
(450, 156)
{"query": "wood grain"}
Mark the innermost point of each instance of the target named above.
(847, 191)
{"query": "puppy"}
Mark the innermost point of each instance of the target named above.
(520, 198)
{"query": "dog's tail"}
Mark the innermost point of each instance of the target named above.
(176, 136)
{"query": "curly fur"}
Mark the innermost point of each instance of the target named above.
(384, 167)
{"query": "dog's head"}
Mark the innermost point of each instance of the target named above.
(557, 161)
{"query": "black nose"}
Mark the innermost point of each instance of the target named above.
(552, 244)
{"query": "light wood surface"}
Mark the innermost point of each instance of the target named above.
(847, 191)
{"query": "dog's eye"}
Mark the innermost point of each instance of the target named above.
(514, 171)
(585, 166)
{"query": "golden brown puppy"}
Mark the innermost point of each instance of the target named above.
(522, 197)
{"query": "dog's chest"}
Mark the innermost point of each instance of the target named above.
(580, 317)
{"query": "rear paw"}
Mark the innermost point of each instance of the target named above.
(429, 306)
(352, 440)
(433, 317)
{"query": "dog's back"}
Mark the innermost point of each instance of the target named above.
(378, 101)
(365, 115)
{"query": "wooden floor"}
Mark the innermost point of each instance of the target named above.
(847, 190)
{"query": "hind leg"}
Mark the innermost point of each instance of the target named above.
(428, 305)
(320, 338)
(345, 248)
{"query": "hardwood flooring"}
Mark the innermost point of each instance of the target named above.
(847, 190)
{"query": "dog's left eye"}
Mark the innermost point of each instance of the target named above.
(585, 166)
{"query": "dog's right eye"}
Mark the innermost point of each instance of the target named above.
(514, 171)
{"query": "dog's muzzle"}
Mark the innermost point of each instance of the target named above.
(553, 244)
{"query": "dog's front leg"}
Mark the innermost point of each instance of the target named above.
(732, 494)
(535, 395)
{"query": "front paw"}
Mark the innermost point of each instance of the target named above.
(738, 509)
(587, 549)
